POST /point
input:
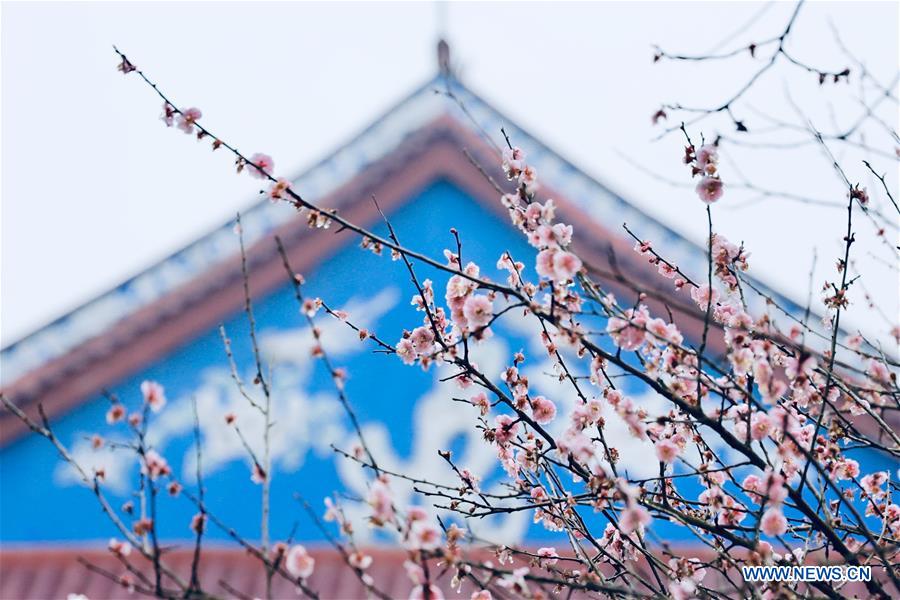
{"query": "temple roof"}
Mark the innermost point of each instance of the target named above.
(76, 340)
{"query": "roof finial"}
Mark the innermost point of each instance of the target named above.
(443, 56)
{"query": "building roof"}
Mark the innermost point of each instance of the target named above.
(441, 110)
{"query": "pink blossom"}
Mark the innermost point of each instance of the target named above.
(424, 535)
(804, 365)
(415, 572)
(459, 287)
(854, 341)
(633, 518)
(846, 469)
(559, 265)
(416, 513)
(760, 425)
(773, 522)
(872, 483)
(115, 413)
(642, 247)
(430, 592)
(543, 410)
(878, 371)
(481, 401)
(380, 500)
(470, 479)
(359, 560)
(549, 554)
(528, 178)
(119, 548)
(702, 296)
(505, 429)
(154, 395)
(664, 332)
(666, 450)
(544, 263)
(742, 361)
(513, 161)
(666, 270)
(422, 339)
(257, 474)
(515, 582)
(710, 189)
(577, 444)
(168, 114)
(707, 156)
(261, 165)
(279, 189)
(406, 351)
(565, 266)
(628, 333)
(481, 595)
(187, 118)
(478, 311)
(154, 465)
(299, 563)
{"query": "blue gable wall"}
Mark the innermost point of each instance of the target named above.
(381, 388)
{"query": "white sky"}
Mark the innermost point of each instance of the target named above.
(95, 188)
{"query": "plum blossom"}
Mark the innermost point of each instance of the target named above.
(154, 395)
(186, 119)
(667, 450)
(505, 429)
(422, 339)
(261, 166)
(543, 410)
(118, 548)
(513, 161)
(424, 535)
(198, 523)
(872, 483)
(257, 474)
(299, 563)
(565, 265)
(381, 501)
(633, 518)
(279, 189)
(168, 114)
(548, 555)
(115, 413)
(558, 265)
(406, 351)
(359, 560)
(803, 365)
(478, 311)
(707, 158)
(515, 582)
(760, 425)
(710, 189)
(773, 522)
(629, 333)
(426, 592)
(154, 465)
(702, 295)
(480, 400)
(846, 468)
(878, 371)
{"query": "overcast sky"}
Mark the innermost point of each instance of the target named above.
(94, 188)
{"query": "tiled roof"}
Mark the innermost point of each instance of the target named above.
(44, 574)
